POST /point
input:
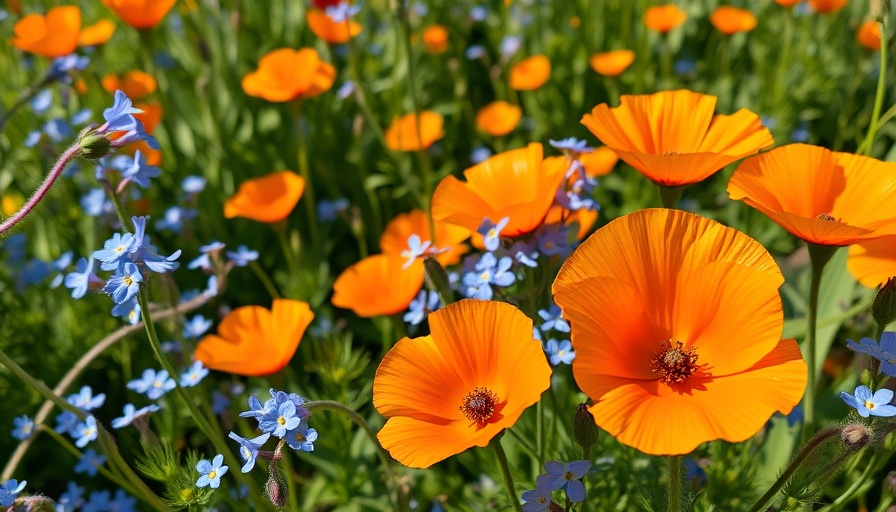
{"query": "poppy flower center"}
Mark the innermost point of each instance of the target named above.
(479, 406)
(674, 363)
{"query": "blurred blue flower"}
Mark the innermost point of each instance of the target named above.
(210, 473)
(345, 90)
(24, 427)
(249, 448)
(559, 352)
(475, 51)
(302, 438)
(553, 240)
(120, 118)
(510, 45)
(491, 232)
(42, 101)
(124, 284)
(131, 413)
(572, 145)
(553, 319)
(193, 184)
(342, 12)
(174, 218)
(66, 422)
(488, 271)
(90, 462)
(426, 302)
(72, 499)
(94, 203)
(98, 502)
(480, 154)
(153, 384)
(123, 502)
(220, 402)
(885, 352)
(32, 139)
(9, 491)
(57, 129)
(138, 172)
(193, 375)
(196, 326)
(329, 210)
(538, 500)
(128, 310)
(415, 249)
(60, 265)
(525, 253)
(82, 116)
(868, 404)
(256, 409)
(61, 67)
(85, 432)
(242, 256)
(568, 476)
(801, 133)
(685, 67)
(14, 246)
(478, 13)
(694, 472)
(86, 400)
(420, 9)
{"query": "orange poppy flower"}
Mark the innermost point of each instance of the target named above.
(873, 262)
(519, 184)
(333, 32)
(253, 340)
(731, 20)
(672, 137)
(498, 118)
(787, 3)
(868, 35)
(599, 162)
(828, 6)
(267, 199)
(151, 115)
(822, 197)
(448, 236)
(140, 14)
(583, 216)
(378, 285)
(459, 387)
(611, 63)
(96, 34)
(530, 74)
(135, 84)
(435, 39)
(664, 18)
(676, 323)
(286, 74)
(52, 35)
(402, 135)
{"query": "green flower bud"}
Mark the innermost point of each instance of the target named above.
(584, 429)
(884, 307)
(93, 145)
(34, 504)
(437, 279)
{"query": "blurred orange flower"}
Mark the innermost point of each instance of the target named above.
(153, 156)
(873, 262)
(96, 34)
(52, 35)
(599, 162)
(583, 217)
(267, 199)
(285, 75)
(459, 387)
(611, 63)
(664, 18)
(868, 35)
(731, 20)
(402, 135)
(519, 184)
(822, 197)
(151, 115)
(378, 285)
(828, 6)
(672, 137)
(135, 84)
(448, 236)
(530, 74)
(498, 118)
(254, 341)
(331, 31)
(141, 14)
(787, 3)
(676, 323)
(435, 39)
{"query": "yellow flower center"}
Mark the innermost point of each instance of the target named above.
(281, 420)
(479, 406)
(674, 363)
(485, 275)
(128, 281)
(119, 248)
(300, 436)
(212, 474)
(869, 405)
(157, 384)
(491, 233)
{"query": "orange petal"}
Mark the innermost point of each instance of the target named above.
(498, 118)
(405, 135)
(435, 39)
(420, 444)
(599, 162)
(664, 18)
(828, 6)
(96, 34)
(285, 74)
(151, 115)
(378, 286)
(395, 237)
(267, 199)
(868, 35)
(140, 14)
(53, 35)
(331, 31)
(730, 20)
(530, 74)
(611, 63)
(873, 262)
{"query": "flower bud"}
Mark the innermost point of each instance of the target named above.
(437, 279)
(883, 309)
(275, 488)
(584, 429)
(856, 436)
(93, 144)
(35, 504)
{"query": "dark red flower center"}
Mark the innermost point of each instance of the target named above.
(480, 405)
(674, 363)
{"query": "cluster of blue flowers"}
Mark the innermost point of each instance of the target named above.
(98, 501)
(865, 401)
(67, 422)
(9, 491)
(558, 350)
(557, 476)
(282, 416)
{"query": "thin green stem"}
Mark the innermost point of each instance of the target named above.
(72, 449)
(881, 91)
(847, 495)
(505, 472)
(110, 449)
(524, 443)
(675, 484)
(39, 386)
(308, 195)
(669, 196)
(665, 62)
(116, 202)
(265, 280)
(539, 430)
(819, 255)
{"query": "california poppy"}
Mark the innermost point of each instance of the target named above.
(822, 197)
(599, 162)
(583, 217)
(611, 63)
(253, 340)
(868, 35)
(435, 39)
(498, 118)
(151, 115)
(664, 18)
(448, 236)
(267, 199)
(676, 323)
(52, 35)
(285, 75)
(673, 138)
(828, 6)
(731, 20)
(331, 31)
(378, 285)
(140, 14)
(873, 262)
(135, 84)
(403, 134)
(530, 74)
(96, 34)
(460, 386)
(519, 184)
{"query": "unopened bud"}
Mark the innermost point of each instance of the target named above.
(93, 144)
(275, 488)
(856, 436)
(556, 508)
(437, 279)
(883, 309)
(584, 429)
(891, 480)
(34, 504)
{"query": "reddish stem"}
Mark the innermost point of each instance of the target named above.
(41, 191)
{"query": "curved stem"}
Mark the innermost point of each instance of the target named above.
(819, 255)
(69, 155)
(265, 280)
(505, 471)
(675, 483)
(302, 158)
(669, 196)
(881, 90)
(847, 495)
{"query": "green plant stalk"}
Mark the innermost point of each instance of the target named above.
(119, 208)
(669, 196)
(539, 430)
(882, 121)
(675, 484)
(881, 91)
(308, 195)
(877, 459)
(265, 280)
(197, 415)
(39, 386)
(505, 472)
(819, 255)
(794, 465)
(665, 61)
(107, 443)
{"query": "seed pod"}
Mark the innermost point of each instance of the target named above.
(883, 309)
(584, 429)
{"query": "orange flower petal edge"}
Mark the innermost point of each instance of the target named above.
(394, 240)
(873, 262)
(329, 30)
(285, 75)
(498, 118)
(140, 14)
(530, 74)
(611, 63)
(267, 199)
(378, 285)
(731, 20)
(52, 35)
(96, 34)
(663, 18)
(405, 135)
